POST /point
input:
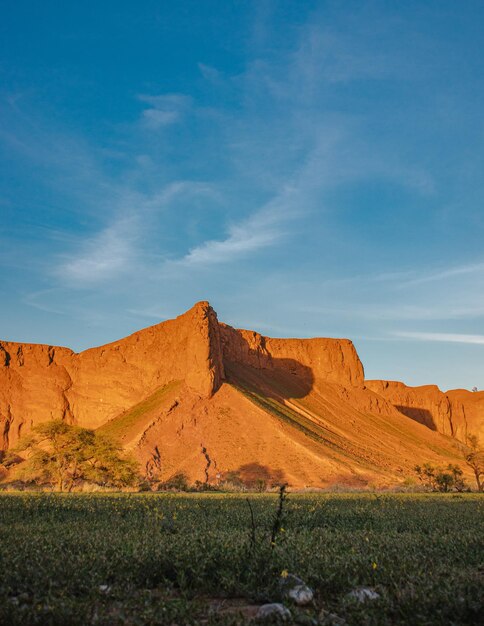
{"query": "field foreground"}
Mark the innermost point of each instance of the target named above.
(198, 559)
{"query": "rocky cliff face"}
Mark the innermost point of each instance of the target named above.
(33, 387)
(472, 404)
(328, 360)
(456, 413)
(317, 386)
(39, 383)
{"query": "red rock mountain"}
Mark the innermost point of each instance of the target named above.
(456, 413)
(196, 396)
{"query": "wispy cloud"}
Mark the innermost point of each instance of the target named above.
(210, 73)
(260, 230)
(164, 110)
(445, 273)
(121, 246)
(442, 337)
(399, 311)
(41, 300)
(103, 256)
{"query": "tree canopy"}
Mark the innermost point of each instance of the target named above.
(64, 455)
(441, 479)
(474, 457)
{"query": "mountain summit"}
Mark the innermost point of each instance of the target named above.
(195, 396)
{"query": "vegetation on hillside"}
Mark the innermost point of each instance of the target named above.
(441, 479)
(474, 458)
(63, 456)
(451, 478)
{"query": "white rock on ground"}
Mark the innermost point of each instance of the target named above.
(274, 610)
(301, 595)
(296, 589)
(363, 594)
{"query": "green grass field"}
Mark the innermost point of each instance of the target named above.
(190, 559)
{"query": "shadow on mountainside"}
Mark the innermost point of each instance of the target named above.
(273, 389)
(256, 369)
(271, 384)
(282, 379)
(249, 476)
(253, 474)
(422, 416)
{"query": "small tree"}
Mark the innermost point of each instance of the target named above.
(444, 481)
(458, 477)
(439, 479)
(63, 455)
(474, 457)
(427, 475)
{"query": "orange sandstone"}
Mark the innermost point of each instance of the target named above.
(196, 396)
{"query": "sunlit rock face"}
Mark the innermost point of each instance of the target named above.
(195, 396)
(39, 383)
(329, 360)
(456, 413)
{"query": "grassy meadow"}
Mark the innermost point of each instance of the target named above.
(199, 559)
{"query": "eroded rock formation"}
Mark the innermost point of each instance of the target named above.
(39, 383)
(329, 360)
(196, 396)
(457, 413)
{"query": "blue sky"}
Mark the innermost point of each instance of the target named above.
(310, 168)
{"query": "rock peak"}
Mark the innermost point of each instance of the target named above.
(201, 305)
